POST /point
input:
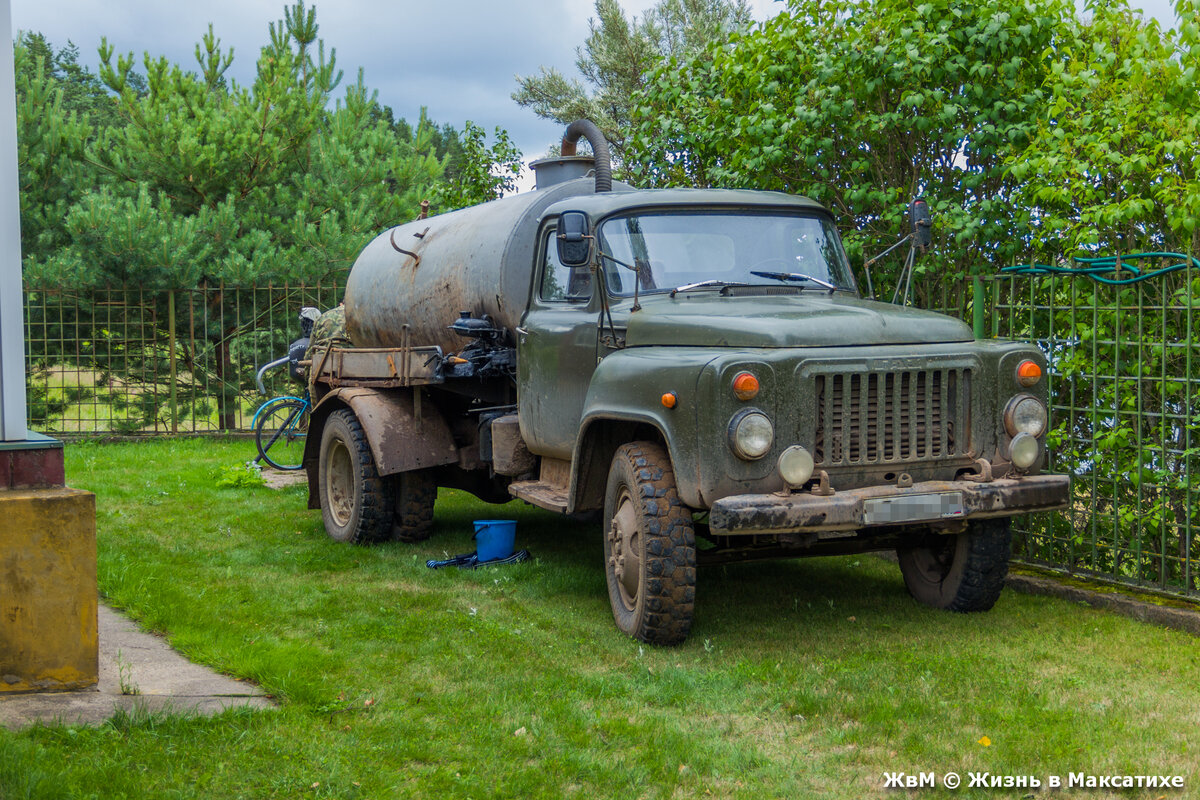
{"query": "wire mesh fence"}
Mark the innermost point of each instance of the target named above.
(1123, 383)
(133, 362)
(1125, 400)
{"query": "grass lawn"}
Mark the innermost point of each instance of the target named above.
(801, 679)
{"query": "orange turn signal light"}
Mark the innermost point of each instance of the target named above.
(669, 400)
(745, 386)
(1028, 373)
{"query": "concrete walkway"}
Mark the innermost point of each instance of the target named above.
(136, 661)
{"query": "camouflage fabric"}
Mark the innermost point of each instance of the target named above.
(329, 329)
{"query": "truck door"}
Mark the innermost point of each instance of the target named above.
(556, 352)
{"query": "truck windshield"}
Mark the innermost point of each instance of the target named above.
(674, 249)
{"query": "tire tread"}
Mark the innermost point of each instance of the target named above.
(670, 548)
(416, 493)
(989, 548)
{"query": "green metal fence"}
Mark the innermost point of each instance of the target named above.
(1123, 383)
(1125, 411)
(134, 362)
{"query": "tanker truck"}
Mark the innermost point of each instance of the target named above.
(697, 368)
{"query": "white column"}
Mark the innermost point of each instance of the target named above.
(12, 334)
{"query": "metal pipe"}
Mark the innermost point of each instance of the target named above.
(258, 379)
(587, 129)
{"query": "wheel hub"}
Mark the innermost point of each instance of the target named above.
(934, 562)
(339, 476)
(624, 542)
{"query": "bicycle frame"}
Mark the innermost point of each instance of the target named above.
(254, 421)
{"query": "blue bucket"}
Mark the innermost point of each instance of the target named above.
(494, 538)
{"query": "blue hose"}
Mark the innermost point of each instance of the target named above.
(471, 561)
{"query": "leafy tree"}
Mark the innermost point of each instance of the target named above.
(618, 56)
(862, 105)
(477, 173)
(1112, 165)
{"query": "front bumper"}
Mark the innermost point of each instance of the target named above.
(876, 506)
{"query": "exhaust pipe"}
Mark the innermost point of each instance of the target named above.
(588, 130)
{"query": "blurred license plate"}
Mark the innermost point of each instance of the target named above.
(912, 508)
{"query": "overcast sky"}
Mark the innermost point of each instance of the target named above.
(458, 58)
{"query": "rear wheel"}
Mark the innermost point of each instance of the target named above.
(964, 572)
(415, 495)
(649, 547)
(356, 503)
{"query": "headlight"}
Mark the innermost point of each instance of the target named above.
(1024, 451)
(1025, 414)
(796, 465)
(751, 434)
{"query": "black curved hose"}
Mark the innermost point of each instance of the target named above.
(588, 130)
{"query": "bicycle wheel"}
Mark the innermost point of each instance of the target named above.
(281, 431)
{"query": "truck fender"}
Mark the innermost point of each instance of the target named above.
(599, 437)
(624, 403)
(400, 440)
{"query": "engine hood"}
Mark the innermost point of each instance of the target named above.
(808, 319)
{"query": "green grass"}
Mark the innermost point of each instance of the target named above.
(801, 679)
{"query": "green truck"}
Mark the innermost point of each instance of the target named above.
(694, 367)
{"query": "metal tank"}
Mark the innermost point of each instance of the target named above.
(480, 259)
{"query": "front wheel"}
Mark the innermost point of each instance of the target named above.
(280, 430)
(963, 572)
(649, 547)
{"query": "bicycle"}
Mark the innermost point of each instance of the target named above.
(281, 424)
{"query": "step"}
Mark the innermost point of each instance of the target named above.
(543, 495)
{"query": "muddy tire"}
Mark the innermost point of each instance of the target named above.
(962, 573)
(356, 503)
(415, 495)
(649, 547)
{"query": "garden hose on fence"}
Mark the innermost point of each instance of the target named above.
(1097, 268)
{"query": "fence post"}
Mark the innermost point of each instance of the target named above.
(977, 305)
(171, 360)
(996, 307)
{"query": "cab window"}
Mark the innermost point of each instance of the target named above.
(660, 250)
(560, 283)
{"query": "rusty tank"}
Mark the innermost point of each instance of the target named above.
(422, 275)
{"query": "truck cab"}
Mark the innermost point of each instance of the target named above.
(692, 366)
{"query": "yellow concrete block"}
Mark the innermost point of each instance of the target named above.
(48, 638)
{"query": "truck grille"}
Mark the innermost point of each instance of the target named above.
(886, 417)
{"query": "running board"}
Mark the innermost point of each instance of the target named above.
(542, 495)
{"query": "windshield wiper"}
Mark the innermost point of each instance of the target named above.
(795, 277)
(687, 287)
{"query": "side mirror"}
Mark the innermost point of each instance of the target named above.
(574, 240)
(921, 223)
